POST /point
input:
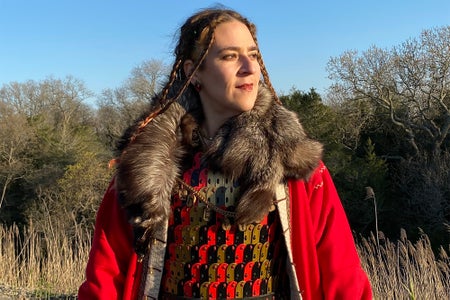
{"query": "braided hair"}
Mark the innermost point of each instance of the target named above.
(196, 36)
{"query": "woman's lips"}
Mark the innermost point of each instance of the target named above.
(246, 87)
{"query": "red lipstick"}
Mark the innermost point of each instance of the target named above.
(246, 87)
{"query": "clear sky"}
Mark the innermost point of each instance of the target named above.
(101, 41)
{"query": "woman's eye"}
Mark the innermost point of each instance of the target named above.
(229, 56)
(254, 55)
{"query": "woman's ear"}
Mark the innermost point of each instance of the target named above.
(188, 67)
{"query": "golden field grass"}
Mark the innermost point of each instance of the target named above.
(48, 265)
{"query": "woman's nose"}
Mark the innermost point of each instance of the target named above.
(249, 65)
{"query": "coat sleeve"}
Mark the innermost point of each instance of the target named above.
(112, 262)
(327, 263)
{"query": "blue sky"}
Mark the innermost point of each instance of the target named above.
(100, 41)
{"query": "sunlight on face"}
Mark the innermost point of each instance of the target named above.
(231, 72)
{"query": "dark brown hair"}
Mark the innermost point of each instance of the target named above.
(195, 38)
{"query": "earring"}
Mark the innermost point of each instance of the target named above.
(197, 86)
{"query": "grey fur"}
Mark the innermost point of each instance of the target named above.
(260, 148)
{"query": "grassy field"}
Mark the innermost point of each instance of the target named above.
(49, 265)
(44, 265)
(405, 270)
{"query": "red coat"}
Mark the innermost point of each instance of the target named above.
(325, 257)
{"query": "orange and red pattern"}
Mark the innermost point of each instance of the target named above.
(209, 258)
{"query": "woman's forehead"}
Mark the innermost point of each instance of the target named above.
(233, 34)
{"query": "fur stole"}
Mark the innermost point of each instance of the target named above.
(261, 148)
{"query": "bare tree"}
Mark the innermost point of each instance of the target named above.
(409, 83)
(15, 139)
(65, 110)
(44, 127)
(354, 117)
(146, 79)
(115, 112)
(406, 91)
(119, 108)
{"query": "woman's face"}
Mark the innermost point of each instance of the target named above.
(230, 75)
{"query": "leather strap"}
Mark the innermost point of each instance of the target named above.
(154, 264)
(283, 205)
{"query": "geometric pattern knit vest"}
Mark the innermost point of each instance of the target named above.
(209, 257)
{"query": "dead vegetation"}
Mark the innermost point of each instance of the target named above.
(50, 264)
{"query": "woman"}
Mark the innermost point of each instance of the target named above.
(218, 192)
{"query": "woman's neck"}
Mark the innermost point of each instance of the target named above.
(211, 126)
(212, 122)
(214, 118)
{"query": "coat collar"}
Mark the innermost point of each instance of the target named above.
(259, 148)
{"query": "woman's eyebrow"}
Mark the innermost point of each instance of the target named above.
(235, 48)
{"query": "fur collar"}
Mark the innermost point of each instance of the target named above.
(261, 148)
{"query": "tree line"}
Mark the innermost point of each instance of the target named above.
(384, 122)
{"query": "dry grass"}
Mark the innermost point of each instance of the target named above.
(405, 270)
(51, 263)
(44, 263)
